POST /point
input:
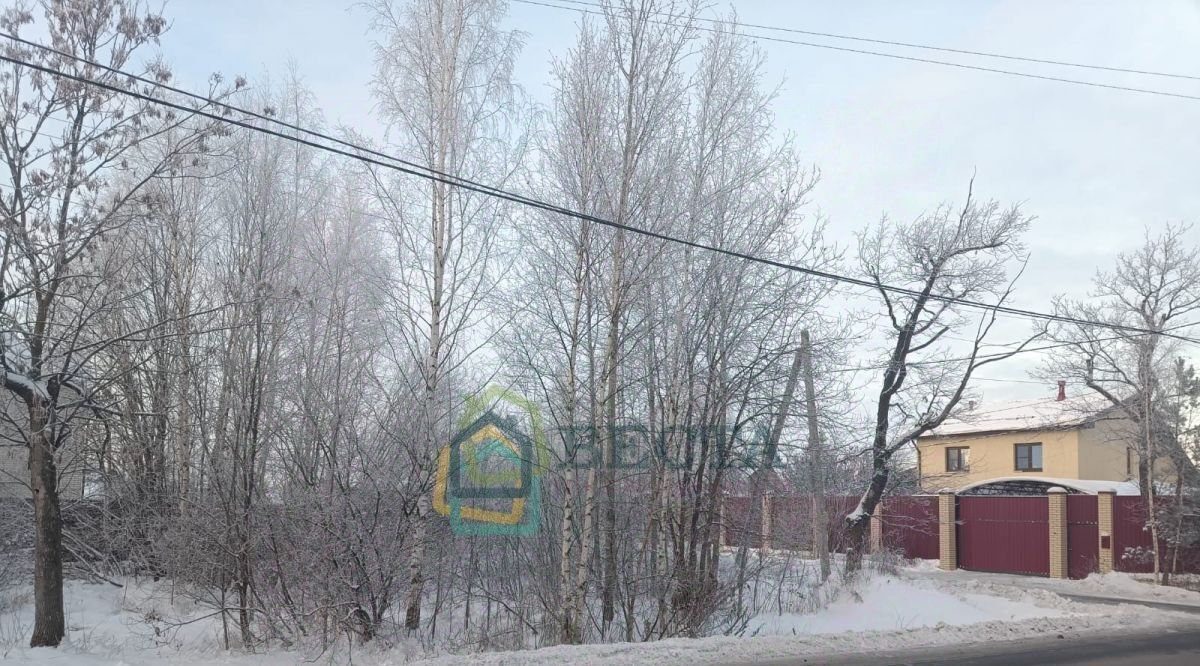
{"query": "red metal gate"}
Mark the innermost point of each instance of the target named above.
(1004, 534)
(1083, 536)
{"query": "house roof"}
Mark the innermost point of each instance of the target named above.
(1020, 415)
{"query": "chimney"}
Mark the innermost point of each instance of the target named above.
(1062, 390)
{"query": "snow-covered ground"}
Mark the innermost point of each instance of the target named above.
(916, 607)
(1114, 586)
(888, 603)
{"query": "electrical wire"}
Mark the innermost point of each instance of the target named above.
(894, 56)
(911, 45)
(427, 173)
(246, 112)
(1010, 354)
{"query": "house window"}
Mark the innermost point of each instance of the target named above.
(956, 459)
(1028, 457)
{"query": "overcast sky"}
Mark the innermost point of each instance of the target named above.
(1095, 166)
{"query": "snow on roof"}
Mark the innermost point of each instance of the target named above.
(1089, 486)
(1018, 415)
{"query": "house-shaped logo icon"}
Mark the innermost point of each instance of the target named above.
(488, 479)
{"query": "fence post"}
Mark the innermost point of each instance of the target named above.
(1057, 497)
(1104, 516)
(947, 532)
(766, 522)
(876, 544)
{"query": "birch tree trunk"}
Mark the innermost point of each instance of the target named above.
(432, 371)
(444, 85)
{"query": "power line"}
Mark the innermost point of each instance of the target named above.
(1027, 350)
(509, 196)
(877, 326)
(895, 56)
(1007, 406)
(427, 173)
(911, 45)
(1008, 381)
(216, 103)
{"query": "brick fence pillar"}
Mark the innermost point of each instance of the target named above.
(876, 544)
(1104, 515)
(947, 531)
(766, 522)
(1057, 497)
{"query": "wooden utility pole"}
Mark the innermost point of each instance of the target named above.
(816, 472)
(771, 449)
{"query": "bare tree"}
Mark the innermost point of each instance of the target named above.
(444, 83)
(265, 347)
(650, 337)
(1178, 406)
(76, 156)
(940, 258)
(1155, 288)
(553, 345)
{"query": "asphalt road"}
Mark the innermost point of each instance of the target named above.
(1176, 645)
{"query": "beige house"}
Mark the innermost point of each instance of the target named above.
(1079, 438)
